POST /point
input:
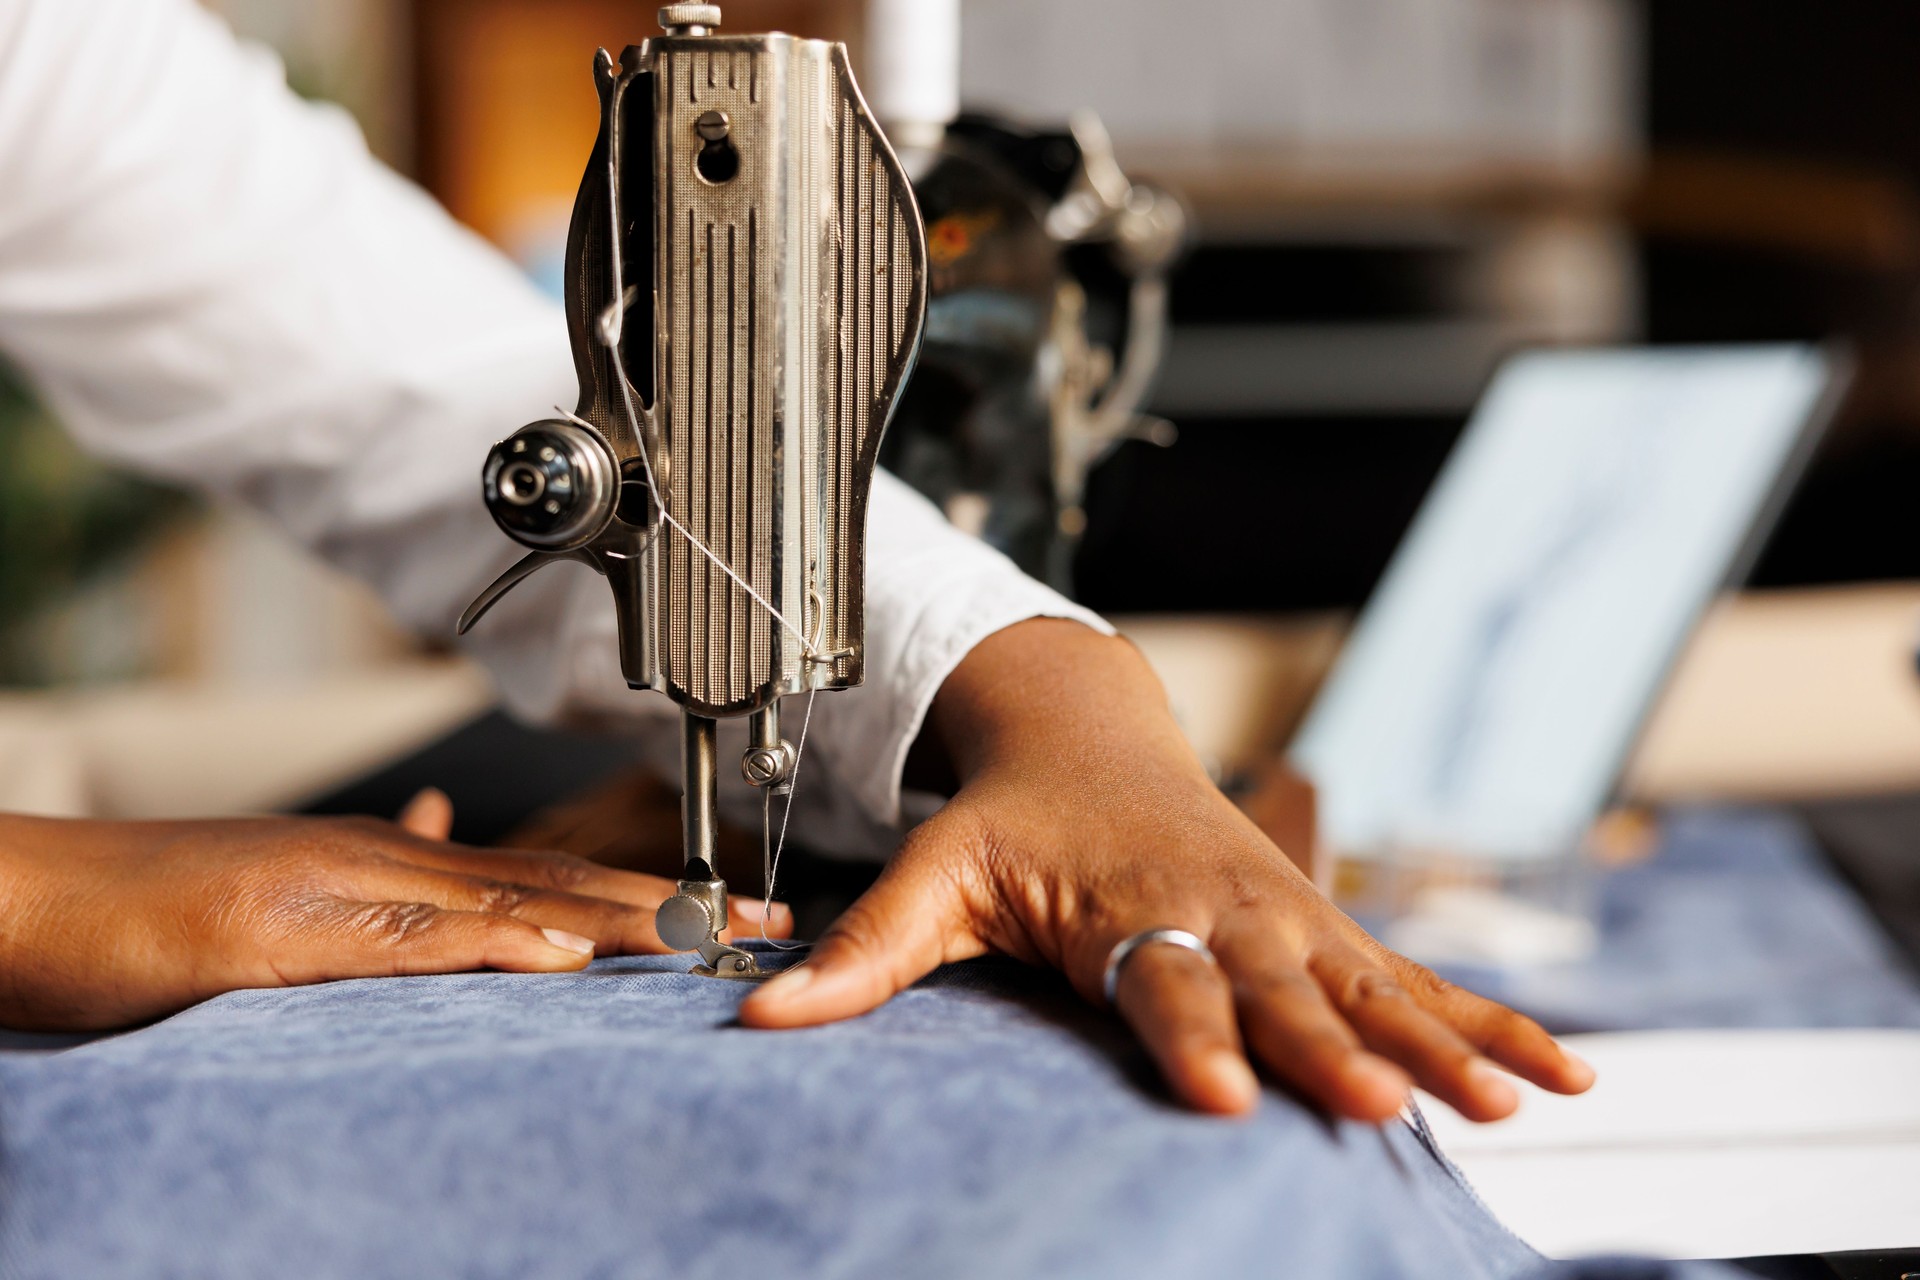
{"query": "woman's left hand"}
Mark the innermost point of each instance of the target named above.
(1083, 818)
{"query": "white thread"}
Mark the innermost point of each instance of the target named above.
(770, 870)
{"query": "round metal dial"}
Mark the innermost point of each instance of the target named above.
(683, 922)
(551, 485)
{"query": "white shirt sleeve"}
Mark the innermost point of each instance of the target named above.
(213, 282)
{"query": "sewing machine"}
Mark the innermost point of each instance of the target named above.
(1047, 260)
(745, 291)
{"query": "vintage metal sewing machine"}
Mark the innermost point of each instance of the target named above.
(745, 290)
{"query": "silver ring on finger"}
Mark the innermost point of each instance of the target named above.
(1123, 951)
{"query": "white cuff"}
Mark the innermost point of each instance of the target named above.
(933, 593)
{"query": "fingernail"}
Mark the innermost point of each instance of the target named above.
(569, 941)
(1582, 1069)
(788, 984)
(1233, 1077)
(1494, 1086)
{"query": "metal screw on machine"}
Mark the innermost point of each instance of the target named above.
(770, 761)
(740, 347)
(767, 766)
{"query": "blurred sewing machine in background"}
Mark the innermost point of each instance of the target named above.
(1046, 322)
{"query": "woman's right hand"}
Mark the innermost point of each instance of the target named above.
(104, 924)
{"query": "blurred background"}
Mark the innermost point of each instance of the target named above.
(1381, 200)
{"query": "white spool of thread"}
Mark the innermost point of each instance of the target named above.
(912, 79)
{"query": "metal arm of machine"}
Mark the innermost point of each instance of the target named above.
(745, 291)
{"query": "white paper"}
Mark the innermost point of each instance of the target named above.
(1710, 1144)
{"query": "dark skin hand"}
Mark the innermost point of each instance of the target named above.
(1084, 817)
(105, 924)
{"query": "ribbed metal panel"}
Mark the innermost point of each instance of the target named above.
(788, 309)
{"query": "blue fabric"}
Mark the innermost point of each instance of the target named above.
(1737, 921)
(618, 1123)
(986, 1123)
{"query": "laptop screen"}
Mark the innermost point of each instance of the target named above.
(1597, 501)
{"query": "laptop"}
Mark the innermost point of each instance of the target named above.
(1490, 693)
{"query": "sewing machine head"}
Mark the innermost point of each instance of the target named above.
(745, 291)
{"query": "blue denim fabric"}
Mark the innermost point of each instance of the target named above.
(618, 1123)
(985, 1124)
(1736, 922)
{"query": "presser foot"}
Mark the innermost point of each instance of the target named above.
(691, 920)
(723, 961)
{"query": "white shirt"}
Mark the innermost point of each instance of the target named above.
(212, 281)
